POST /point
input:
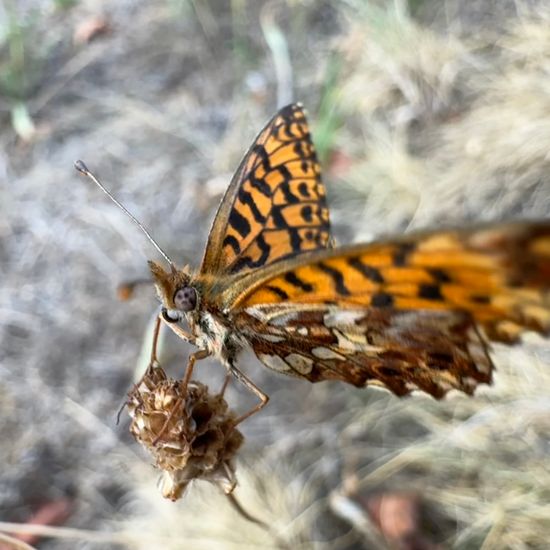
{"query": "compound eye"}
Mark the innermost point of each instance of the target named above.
(170, 316)
(186, 298)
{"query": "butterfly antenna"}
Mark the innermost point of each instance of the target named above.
(83, 169)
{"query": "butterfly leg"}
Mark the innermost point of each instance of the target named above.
(224, 385)
(245, 381)
(152, 362)
(201, 354)
(193, 358)
(154, 344)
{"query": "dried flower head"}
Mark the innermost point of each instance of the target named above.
(189, 431)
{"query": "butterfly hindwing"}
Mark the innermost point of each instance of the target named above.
(431, 351)
(275, 206)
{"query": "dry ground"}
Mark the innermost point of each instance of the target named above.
(425, 113)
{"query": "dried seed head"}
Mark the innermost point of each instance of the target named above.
(189, 431)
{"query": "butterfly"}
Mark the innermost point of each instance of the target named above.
(416, 312)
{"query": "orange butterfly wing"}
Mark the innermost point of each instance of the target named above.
(275, 206)
(500, 274)
(403, 313)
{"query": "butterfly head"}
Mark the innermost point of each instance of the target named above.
(175, 291)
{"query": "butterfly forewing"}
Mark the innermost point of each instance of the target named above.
(498, 274)
(275, 206)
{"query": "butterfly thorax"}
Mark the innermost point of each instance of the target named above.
(185, 295)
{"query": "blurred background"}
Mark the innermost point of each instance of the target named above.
(424, 113)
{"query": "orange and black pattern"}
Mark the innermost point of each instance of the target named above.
(275, 207)
(498, 274)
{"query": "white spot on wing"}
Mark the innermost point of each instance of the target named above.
(271, 337)
(444, 385)
(342, 317)
(355, 341)
(275, 316)
(273, 362)
(325, 353)
(483, 365)
(298, 362)
(283, 320)
(257, 313)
